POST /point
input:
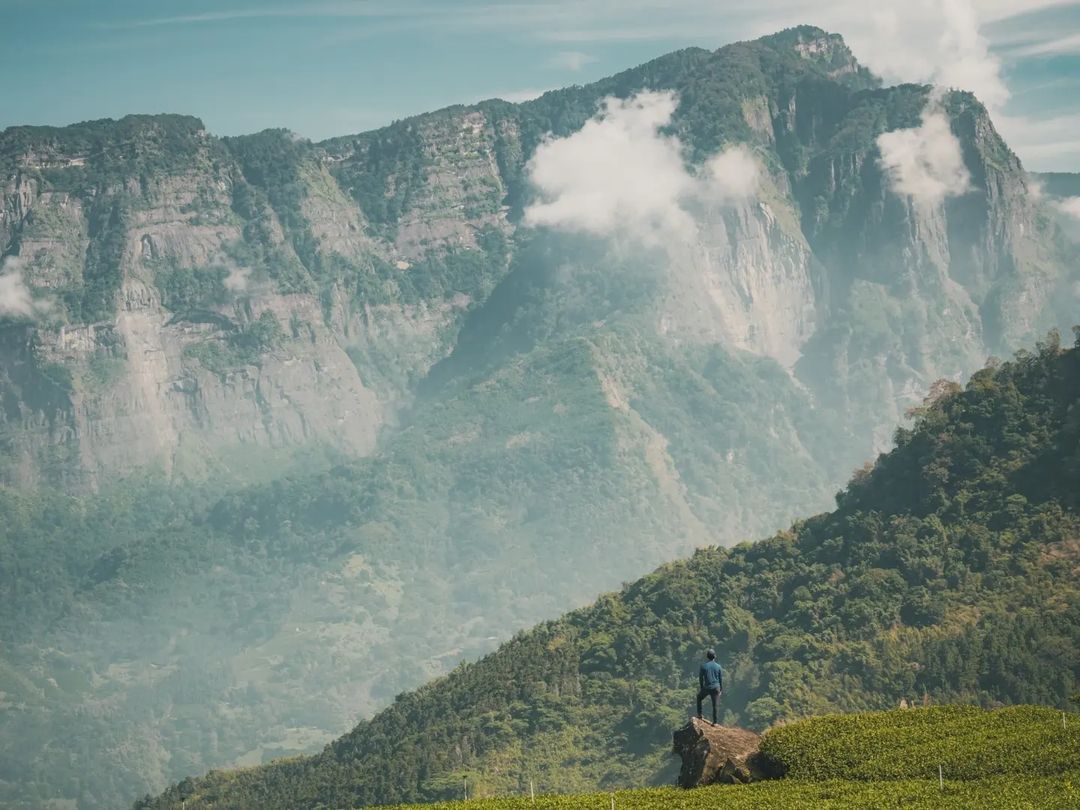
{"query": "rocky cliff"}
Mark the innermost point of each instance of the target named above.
(153, 250)
(201, 303)
(717, 755)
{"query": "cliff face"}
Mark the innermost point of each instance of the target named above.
(157, 247)
(195, 307)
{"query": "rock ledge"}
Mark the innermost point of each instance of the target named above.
(717, 754)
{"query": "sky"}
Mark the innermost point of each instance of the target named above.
(333, 67)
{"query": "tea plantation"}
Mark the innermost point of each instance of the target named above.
(1001, 793)
(966, 741)
(1015, 757)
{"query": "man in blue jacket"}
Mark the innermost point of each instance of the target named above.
(710, 682)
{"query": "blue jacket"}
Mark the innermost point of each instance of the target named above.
(711, 675)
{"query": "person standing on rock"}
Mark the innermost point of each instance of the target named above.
(710, 683)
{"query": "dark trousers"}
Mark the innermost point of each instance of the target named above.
(712, 693)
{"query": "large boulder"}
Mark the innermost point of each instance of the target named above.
(717, 754)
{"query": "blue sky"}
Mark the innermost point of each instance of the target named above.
(330, 67)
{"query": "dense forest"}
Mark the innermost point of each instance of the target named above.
(947, 573)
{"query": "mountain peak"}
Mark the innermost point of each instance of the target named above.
(827, 50)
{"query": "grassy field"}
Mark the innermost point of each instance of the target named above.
(1014, 757)
(1001, 793)
(966, 741)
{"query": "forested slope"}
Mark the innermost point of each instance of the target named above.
(948, 569)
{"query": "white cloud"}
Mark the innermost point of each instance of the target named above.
(733, 174)
(571, 60)
(617, 172)
(621, 176)
(1069, 206)
(1049, 47)
(16, 299)
(931, 41)
(238, 279)
(925, 162)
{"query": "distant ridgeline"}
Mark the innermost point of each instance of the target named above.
(948, 570)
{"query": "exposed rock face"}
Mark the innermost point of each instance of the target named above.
(716, 754)
(152, 278)
(370, 250)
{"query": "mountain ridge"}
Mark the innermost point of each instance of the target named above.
(377, 295)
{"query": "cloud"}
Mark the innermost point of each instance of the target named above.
(573, 61)
(238, 279)
(16, 299)
(1049, 47)
(1070, 206)
(733, 174)
(304, 10)
(925, 162)
(621, 176)
(617, 172)
(932, 41)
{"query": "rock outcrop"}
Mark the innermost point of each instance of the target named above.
(717, 754)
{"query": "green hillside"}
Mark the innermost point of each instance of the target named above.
(966, 742)
(1002, 792)
(947, 570)
(1021, 756)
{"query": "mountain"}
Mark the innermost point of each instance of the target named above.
(290, 427)
(948, 572)
(207, 305)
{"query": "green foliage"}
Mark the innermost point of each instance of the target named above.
(58, 375)
(103, 371)
(967, 742)
(389, 170)
(272, 163)
(1007, 793)
(1014, 757)
(108, 224)
(243, 347)
(971, 517)
(107, 152)
(190, 288)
